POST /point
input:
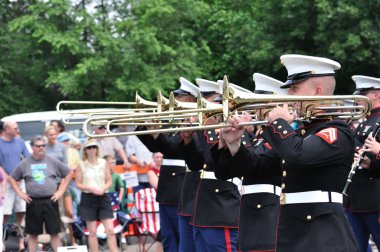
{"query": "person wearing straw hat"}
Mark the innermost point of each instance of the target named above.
(171, 177)
(315, 160)
(363, 205)
(260, 194)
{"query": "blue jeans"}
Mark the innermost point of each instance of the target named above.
(363, 224)
(186, 240)
(215, 239)
(169, 227)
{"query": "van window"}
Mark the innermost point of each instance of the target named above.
(31, 124)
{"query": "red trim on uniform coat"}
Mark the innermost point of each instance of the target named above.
(279, 133)
(268, 146)
(228, 240)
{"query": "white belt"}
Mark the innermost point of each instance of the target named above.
(310, 197)
(261, 188)
(211, 175)
(173, 162)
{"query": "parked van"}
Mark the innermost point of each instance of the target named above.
(31, 124)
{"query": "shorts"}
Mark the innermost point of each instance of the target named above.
(42, 211)
(93, 207)
(13, 202)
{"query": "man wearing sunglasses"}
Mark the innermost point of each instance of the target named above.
(363, 206)
(40, 172)
(315, 161)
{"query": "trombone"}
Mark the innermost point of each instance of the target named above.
(310, 107)
(139, 104)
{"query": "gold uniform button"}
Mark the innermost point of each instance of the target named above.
(258, 206)
(244, 142)
(284, 173)
(275, 122)
(280, 127)
(283, 186)
(173, 174)
(283, 161)
(303, 132)
(204, 166)
(242, 136)
(216, 190)
(209, 132)
(308, 217)
(211, 138)
(284, 132)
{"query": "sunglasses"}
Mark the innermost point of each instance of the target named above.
(39, 145)
(91, 147)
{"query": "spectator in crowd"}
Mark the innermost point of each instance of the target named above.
(2, 191)
(42, 192)
(12, 151)
(60, 127)
(117, 182)
(93, 177)
(72, 161)
(54, 148)
(154, 170)
(141, 159)
(110, 146)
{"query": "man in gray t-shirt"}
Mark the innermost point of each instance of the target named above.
(42, 192)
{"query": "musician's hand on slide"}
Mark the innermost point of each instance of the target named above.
(283, 113)
(232, 135)
(371, 145)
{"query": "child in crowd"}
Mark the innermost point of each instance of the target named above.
(117, 182)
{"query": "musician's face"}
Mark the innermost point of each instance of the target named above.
(302, 88)
(185, 98)
(211, 98)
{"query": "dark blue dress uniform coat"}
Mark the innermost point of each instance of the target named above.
(364, 191)
(316, 157)
(170, 183)
(217, 201)
(258, 211)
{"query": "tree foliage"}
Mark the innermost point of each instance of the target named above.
(108, 50)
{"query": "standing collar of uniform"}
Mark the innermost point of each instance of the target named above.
(374, 112)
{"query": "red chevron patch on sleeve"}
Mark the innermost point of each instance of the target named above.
(330, 135)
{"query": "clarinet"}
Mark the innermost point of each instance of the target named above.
(356, 164)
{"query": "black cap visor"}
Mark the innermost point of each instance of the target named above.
(364, 91)
(299, 77)
(207, 94)
(181, 92)
(262, 92)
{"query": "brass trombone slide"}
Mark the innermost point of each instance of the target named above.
(309, 106)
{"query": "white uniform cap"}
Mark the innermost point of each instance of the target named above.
(207, 87)
(301, 67)
(220, 85)
(365, 83)
(237, 89)
(267, 85)
(186, 88)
